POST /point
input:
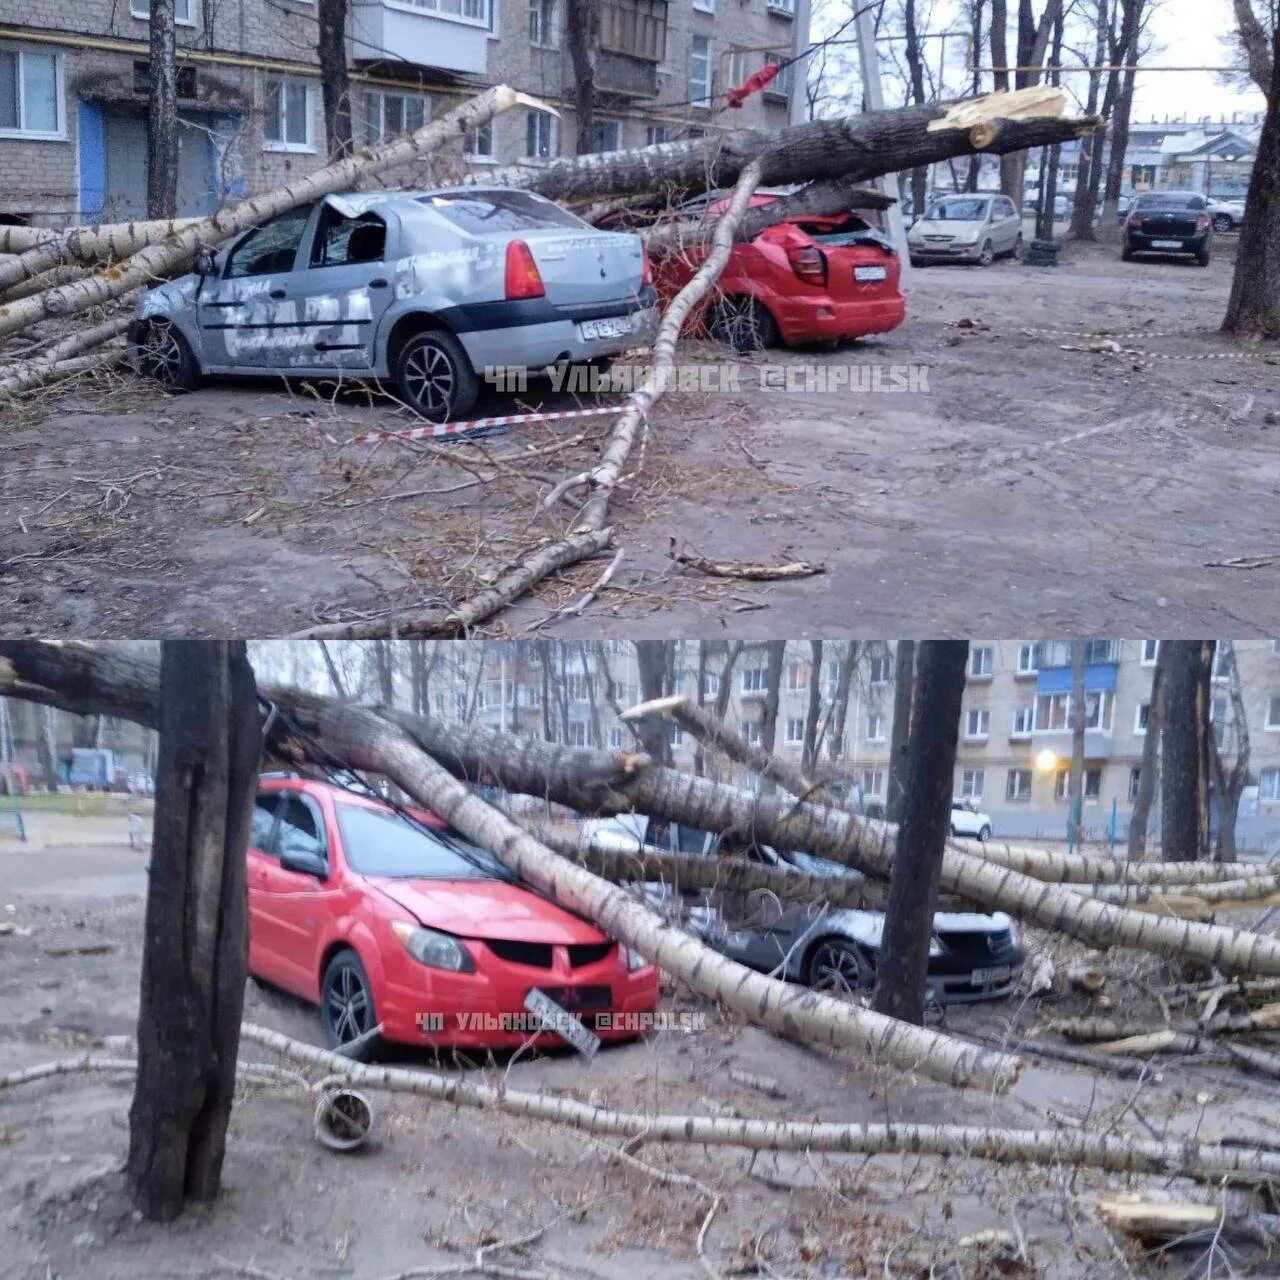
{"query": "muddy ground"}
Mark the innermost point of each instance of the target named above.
(1094, 490)
(437, 1182)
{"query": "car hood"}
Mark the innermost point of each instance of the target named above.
(168, 298)
(956, 230)
(486, 909)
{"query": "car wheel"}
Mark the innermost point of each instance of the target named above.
(435, 377)
(985, 834)
(1222, 222)
(744, 324)
(1202, 256)
(1126, 254)
(987, 254)
(346, 1005)
(839, 966)
(165, 356)
(1017, 248)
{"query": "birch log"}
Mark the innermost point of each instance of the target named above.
(160, 260)
(43, 369)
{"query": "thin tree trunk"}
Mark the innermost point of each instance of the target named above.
(975, 14)
(809, 753)
(915, 76)
(162, 114)
(651, 662)
(47, 747)
(1125, 53)
(775, 652)
(1184, 800)
(1140, 819)
(1229, 785)
(900, 773)
(903, 958)
(1075, 789)
(1082, 209)
(195, 955)
(335, 78)
(580, 34)
(335, 676)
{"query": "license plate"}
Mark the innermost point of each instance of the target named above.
(616, 327)
(990, 977)
(1166, 244)
(555, 1017)
(870, 273)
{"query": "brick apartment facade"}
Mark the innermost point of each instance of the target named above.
(73, 88)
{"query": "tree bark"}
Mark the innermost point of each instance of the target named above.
(775, 652)
(1184, 820)
(651, 663)
(335, 78)
(580, 34)
(903, 960)
(900, 772)
(1124, 52)
(162, 114)
(1229, 784)
(1075, 791)
(47, 747)
(1140, 818)
(195, 955)
(1256, 43)
(813, 711)
(915, 77)
(1085, 198)
(1254, 305)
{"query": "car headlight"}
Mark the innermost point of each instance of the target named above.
(1015, 935)
(434, 949)
(935, 947)
(635, 961)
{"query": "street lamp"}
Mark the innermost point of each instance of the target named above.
(1046, 760)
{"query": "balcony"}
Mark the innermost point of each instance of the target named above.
(634, 28)
(450, 34)
(630, 77)
(1097, 744)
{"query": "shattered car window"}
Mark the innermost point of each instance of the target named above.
(270, 248)
(483, 212)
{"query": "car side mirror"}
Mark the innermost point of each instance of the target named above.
(305, 861)
(206, 263)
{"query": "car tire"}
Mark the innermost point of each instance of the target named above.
(987, 254)
(838, 965)
(743, 323)
(1126, 254)
(435, 376)
(1202, 256)
(1016, 253)
(164, 356)
(346, 983)
(1222, 222)
(985, 833)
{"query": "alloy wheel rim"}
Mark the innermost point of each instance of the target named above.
(837, 968)
(348, 1006)
(429, 380)
(160, 355)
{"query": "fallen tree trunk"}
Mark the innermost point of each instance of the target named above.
(49, 279)
(1089, 1030)
(79, 678)
(1248, 891)
(45, 373)
(1154, 1221)
(15, 240)
(1056, 865)
(163, 258)
(852, 148)
(40, 370)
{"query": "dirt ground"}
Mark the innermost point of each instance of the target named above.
(1096, 490)
(437, 1182)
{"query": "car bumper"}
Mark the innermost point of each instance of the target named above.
(824, 318)
(484, 1010)
(947, 253)
(966, 979)
(1138, 242)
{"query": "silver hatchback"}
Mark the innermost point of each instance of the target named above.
(428, 289)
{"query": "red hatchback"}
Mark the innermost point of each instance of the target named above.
(809, 278)
(381, 918)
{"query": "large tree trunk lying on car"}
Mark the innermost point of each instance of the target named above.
(853, 148)
(81, 679)
(163, 258)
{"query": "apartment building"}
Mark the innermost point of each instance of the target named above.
(1015, 739)
(23, 725)
(74, 85)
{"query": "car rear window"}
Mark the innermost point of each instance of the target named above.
(1170, 202)
(484, 212)
(379, 842)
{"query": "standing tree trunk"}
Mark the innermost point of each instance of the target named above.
(840, 711)
(1124, 52)
(1048, 209)
(1140, 819)
(580, 20)
(809, 756)
(335, 676)
(776, 651)
(335, 78)
(1086, 192)
(900, 731)
(903, 960)
(162, 115)
(1184, 820)
(1254, 305)
(653, 664)
(1229, 785)
(195, 954)
(915, 73)
(1075, 791)
(47, 747)
(975, 43)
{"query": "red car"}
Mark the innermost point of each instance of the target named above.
(378, 917)
(809, 278)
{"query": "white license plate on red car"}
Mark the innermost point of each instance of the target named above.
(991, 977)
(1166, 244)
(615, 327)
(864, 275)
(555, 1017)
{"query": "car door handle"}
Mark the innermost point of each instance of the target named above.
(277, 294)
(379, 283)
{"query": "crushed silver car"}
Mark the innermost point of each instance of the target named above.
(428, 289)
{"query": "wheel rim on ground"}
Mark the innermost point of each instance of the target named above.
(347, 1008)
(160, 354)
(837, 967)
(987, 254)
(429, 379)
(1222, 223)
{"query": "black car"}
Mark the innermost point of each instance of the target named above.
(1169, 222)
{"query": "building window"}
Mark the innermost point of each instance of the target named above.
(700, 71)
(1269, 785)
(875, 727)
(532, 695)
(578, 687)
(1053, 711)
(1023, 719)
(30, 94)
(755, 680)
(1150, 652)
(542, 23)
(972, 782)
(677, 736)
(288, 124)
(184, 11)
(655, 133)
(797, 677)
(615, 739)
(1028, 659)
(606, 136)
(1140, 714)
(873, 782)
(1273, 714)
(1135, 779)
(710, 684)
(471, 10)
(1096, 651)
(977, 723)
(480, 143)
(387, 114)
(980, 663)
(577, 736)
(786, 8)
(1092, 784)
(795, 730)
(541, 135)
(751, 732)
(1018, 785)
(705, 6)
(879, 668)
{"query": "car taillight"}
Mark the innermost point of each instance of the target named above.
(524, 280)
(646, 276)
(1202, 222)
(1135, 220)
(808, 263)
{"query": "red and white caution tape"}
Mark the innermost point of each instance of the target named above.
(435, 430)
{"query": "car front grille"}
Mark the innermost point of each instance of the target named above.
(580, 999)
(540, 954)
(977, 942)
(585, 953)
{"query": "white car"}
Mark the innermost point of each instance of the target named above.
(966, 228)
(1227, 215)
(968, 820)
